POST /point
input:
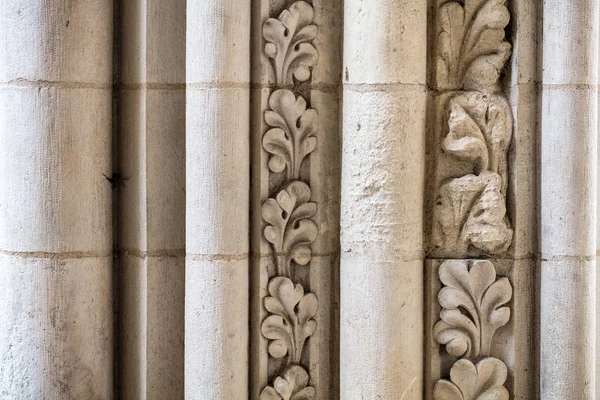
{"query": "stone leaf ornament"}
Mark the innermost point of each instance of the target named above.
(289, 43)
(291, 318)
(292, 134)
(471, 45)
(473, 301)
(473, 307)
(471, 210)
(290, 229)
(291, 385)
(482, 381)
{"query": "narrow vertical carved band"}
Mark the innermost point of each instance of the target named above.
(470, 216)
(288, 214)
(470, 212)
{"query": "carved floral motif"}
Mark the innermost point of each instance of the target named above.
(291, 137)
(468, 381)
(473, 304)
(470, 212)
(291, 320)
(289, 228)
(471, 46)
(291, 385)
(289, 43)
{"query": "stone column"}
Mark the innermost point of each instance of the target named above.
(151, 214)
(381, 322)
(569, 130)
(55, 203)
(218, 195)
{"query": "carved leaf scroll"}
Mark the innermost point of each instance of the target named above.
(291, 385)
(470, 210)
(290, 229)
(482, 381)
(473, 307)
(472, 49)
(292, 134)
(291, 320)
(480, 131)
(289, 43)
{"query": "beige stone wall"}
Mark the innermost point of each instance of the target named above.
(299, 199)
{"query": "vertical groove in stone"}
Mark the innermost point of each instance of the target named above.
(569, 131)
(55, 204)
(381, 317)
(152, 198)
(217, 199)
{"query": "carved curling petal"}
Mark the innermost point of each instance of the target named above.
(480, 131)
(472, 300)
(482, 381)
(292, 318)
(471, 211)
(487, 226)
(465, 140)
(289, 229)
(471, 44)
(291, 385)
(289, 43)
(292, 134)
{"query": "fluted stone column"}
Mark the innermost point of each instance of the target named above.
(218, 194)
(151, 215)
(55, 200)
(569, 131)
(381, 322)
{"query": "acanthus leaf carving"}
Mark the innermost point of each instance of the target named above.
(473, 307)
(468, 381)
(470, 210)
(290, 229)
(291, 385)
(289, 43)
(292, 134)
(291, 318)
(472, 49)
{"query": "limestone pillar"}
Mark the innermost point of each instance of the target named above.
(569, 130)
(151, 212)
(55, 204)
(217, 199)
(381, 321)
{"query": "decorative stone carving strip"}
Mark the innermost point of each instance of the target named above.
(290, 139)
(470, 214)
(473, 301)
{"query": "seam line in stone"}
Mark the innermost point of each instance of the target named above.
(385, 87)
(216, 85)
(55, 255)
(175, 253)
(563, 257)
(44, 84)
(217, 257)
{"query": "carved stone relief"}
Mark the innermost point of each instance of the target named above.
(289, 141)
(474, 130)
(470, 214)
(473, 301)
